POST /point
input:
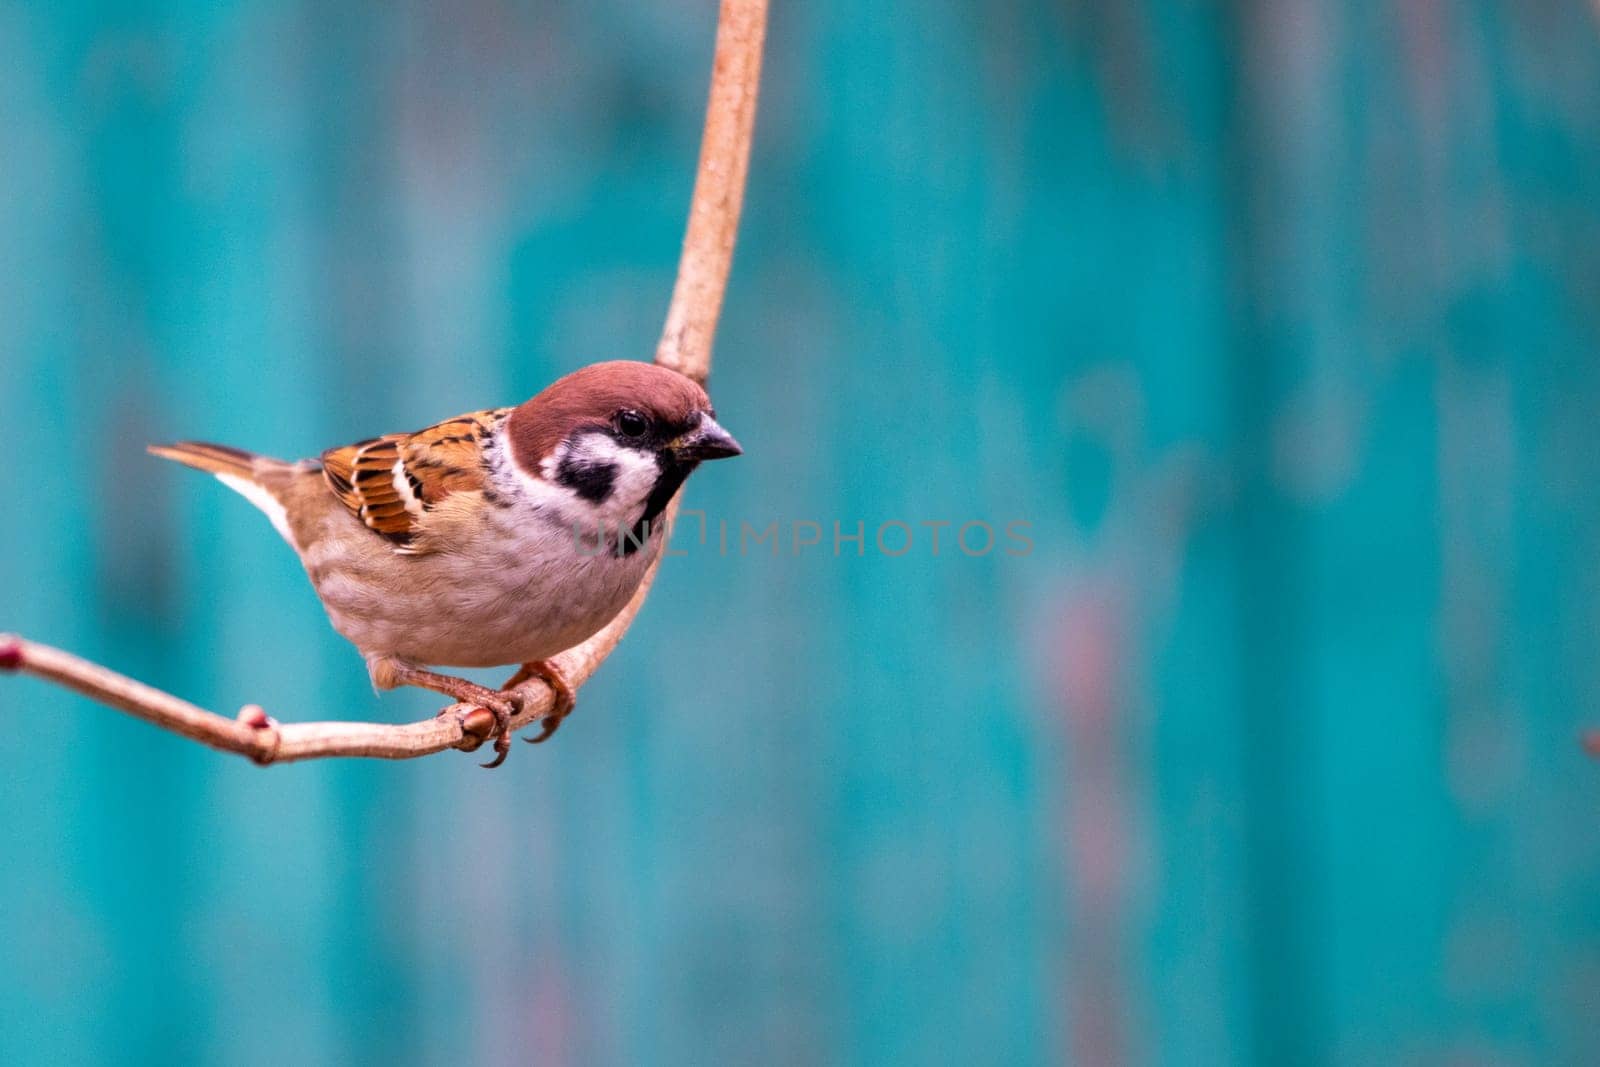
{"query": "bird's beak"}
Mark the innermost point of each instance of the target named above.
(706, 441)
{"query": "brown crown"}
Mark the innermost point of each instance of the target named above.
(592, 396)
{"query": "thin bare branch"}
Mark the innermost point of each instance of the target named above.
(718, 191)
(685, 347)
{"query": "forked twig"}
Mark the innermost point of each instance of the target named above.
(685, 347)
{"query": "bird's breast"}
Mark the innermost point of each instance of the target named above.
(514, 590)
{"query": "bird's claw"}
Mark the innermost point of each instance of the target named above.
(565, 697)
(507, 702)
(502, 706)
(547, 728)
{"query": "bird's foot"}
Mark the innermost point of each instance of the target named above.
(566, 696)
(500, 708)
(479, 698)
(388, 673)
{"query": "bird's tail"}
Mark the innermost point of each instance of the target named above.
(217, 459)
(259, 479)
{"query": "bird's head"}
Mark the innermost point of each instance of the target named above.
(618, 439)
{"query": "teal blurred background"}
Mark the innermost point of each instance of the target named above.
(1277, 321)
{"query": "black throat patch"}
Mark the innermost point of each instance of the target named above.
(671, 480)
(591, 479)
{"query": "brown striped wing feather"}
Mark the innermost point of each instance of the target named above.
(391, 482)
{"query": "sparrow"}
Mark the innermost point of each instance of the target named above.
(494, 538)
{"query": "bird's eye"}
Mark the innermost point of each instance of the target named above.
(631, 423)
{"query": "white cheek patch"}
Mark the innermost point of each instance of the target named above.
(261, 499)
(634, 475)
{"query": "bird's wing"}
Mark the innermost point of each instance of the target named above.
(391, 483)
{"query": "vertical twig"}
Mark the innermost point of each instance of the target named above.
(718, 191)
